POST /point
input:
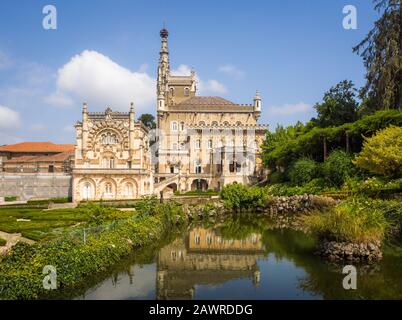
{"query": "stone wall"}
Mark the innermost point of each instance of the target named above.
(36, 185)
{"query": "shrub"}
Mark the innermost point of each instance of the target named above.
(382, 153)
(337, 168)
(2, 242)
(239, 197)
(303, 171)
(10, 198)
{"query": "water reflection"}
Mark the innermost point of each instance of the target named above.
(204, 257)
(242, 258)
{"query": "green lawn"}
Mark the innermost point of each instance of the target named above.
(43, 223)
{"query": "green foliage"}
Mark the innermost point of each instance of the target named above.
(351, 221)
(147, 206)
(2, 242)
(197, 193)
(276, 177)
(303, 171)
(286, 145)
(75, 260)
(339, 105)
(148, 120)
(47, 201)
(10, 198)
(381, 51)
(382, 153)
(239, 197)
(337, 168)
(98, 213)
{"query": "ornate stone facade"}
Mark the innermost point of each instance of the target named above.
(112, 157)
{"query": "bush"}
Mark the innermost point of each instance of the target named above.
(350, 221)
(10, 198)
(2, 242)
(239, 197)
(337, 168)
(276, 177)
(303, 171)
(47, 201)
(382, 153)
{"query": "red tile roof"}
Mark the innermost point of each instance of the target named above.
(59, 157)
(37, 147)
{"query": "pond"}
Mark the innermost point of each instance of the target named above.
(241, 258)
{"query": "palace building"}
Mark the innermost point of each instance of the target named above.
(204, 142)
(200, 143)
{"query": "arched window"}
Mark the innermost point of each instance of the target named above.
(186, 92)
(129, 190)
(108, 189)
(171, 90)
(198, 144)
(181, 126)
(87, 191)
(174, 126)
(109, 138)
(210, 144)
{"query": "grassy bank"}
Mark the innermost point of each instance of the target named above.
(76, 258)
(357, 220)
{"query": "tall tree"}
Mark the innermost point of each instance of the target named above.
(148, 120)
(339, 105)
(381, 51)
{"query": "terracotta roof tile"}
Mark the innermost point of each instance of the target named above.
(37, 147)
(59, 157)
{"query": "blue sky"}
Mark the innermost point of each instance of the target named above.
(105, 52)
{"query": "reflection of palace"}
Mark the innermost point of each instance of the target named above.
(205, 258)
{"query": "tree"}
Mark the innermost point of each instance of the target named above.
(148, 120)
(382, 153)
(381, 51)
(339, 105)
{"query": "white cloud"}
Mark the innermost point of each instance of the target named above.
(212, 86)
(289, 109)
(232, 71)
(95, 78)
(204, 87)
(9, 118)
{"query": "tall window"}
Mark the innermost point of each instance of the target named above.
(181, 126)
(108, 189)
(198, 167)
(186, 92)
(198, 144)
(129, 190)
(174, 126)
(87, 191)
(174, 146)
(171, 90)
(210, 144)
(108, 163)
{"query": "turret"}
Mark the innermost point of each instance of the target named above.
(257, 102)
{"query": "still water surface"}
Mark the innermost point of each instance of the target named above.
(242, 259)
